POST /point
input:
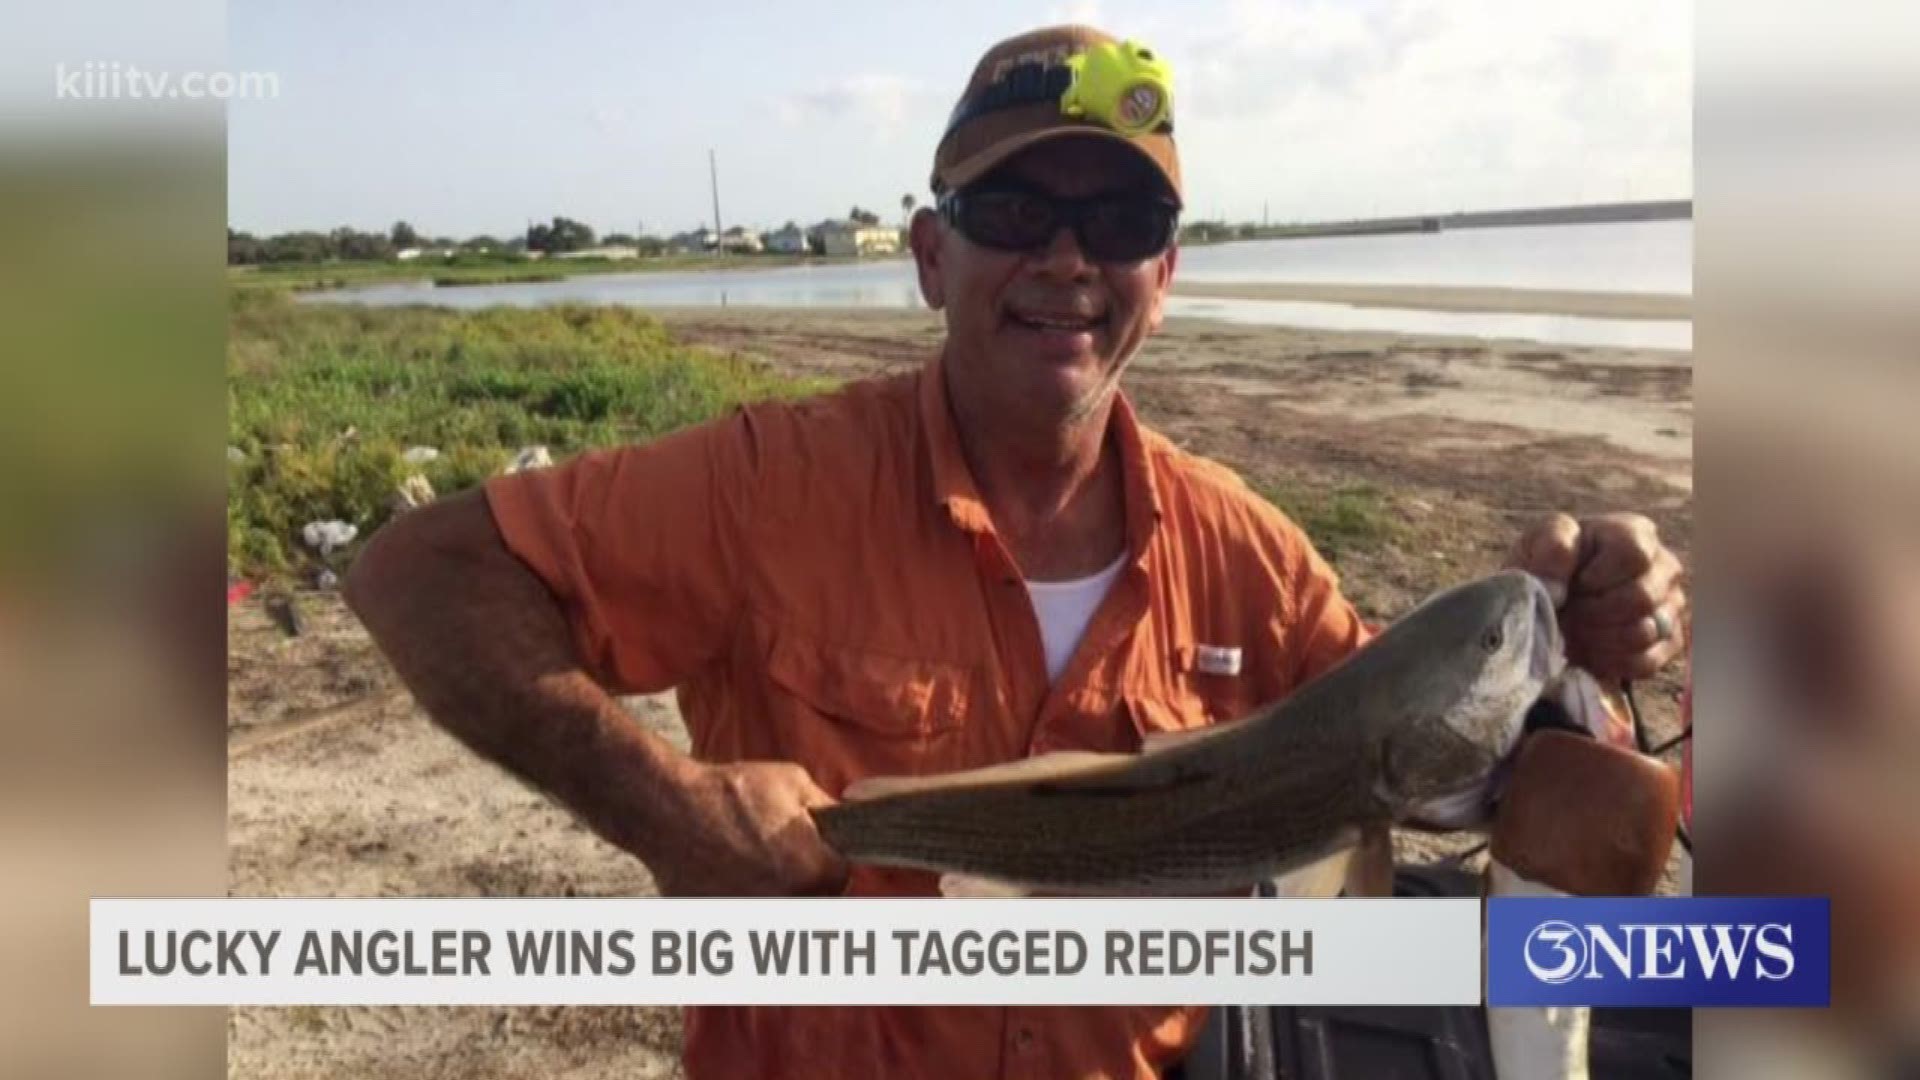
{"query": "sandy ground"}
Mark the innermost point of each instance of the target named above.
(338, 786)
(1596, 305)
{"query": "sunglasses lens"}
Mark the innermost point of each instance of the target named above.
(1008, 220)
(1115, 228)
(1126, 229)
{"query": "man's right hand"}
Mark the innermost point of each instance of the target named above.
(745, 830)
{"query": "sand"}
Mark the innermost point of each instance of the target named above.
(1639, 401)
(339, 786)
(1594, 305)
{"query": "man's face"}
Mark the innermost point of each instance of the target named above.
(1045, 333)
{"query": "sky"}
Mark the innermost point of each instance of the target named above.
(478, 117)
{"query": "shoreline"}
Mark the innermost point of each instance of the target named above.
(1456, 298)
(1637, 401)
(1478, 299)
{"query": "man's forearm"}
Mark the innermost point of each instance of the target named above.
(485, 648)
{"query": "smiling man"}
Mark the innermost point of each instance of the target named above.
(985, 559)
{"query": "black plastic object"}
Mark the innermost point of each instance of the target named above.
(1417, 1043)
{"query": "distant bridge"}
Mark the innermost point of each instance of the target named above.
(1660, 210)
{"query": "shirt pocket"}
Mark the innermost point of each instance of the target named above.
(1223, 696)
(1182, 697)
(845, 713)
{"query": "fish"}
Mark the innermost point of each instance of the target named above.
(1412, 728)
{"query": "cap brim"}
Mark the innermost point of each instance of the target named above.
(969, 169)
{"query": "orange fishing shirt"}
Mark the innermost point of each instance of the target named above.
(823, 584)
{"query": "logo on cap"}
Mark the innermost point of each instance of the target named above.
(1139, 108)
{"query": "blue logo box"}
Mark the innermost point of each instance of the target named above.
(1687, 952)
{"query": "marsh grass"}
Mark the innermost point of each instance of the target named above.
(493, 270)
(324, 399)
(1344, 519)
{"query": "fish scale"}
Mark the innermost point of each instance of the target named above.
(1416, 720)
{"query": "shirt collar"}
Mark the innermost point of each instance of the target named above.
(954, 489)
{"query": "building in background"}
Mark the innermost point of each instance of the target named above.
(738, 239)
(856, 238)
(789, 239)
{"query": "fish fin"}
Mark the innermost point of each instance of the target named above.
(973, 887)
(1317, 880)
(1157, 776)
(1321, 870)
(1043, 768)
(1370, 868)
(1157, 741)
(1590, 707)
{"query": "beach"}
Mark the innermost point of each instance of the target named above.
(1412, 460)
(1594, 305)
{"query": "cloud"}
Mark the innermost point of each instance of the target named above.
(874, 101)
(1083, 12)
(1402, 105)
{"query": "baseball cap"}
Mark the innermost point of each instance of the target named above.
(1014, 101)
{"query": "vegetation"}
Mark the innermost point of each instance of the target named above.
(565, 234)
(1346, 519)
(492, 270)
(324, 400)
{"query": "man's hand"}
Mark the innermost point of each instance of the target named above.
(1623, 608)
(744, 830)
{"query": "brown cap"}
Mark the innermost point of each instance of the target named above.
(978, 139)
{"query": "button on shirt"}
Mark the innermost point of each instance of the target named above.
(822, 582)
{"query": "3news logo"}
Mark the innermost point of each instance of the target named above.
(1688, 952)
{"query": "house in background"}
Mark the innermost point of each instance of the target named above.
(854, 238)
(692, 240)
(790, 239)
(739, 239)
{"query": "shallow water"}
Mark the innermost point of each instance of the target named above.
(1631, 257)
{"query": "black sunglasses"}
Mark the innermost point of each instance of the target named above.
(1120, 227)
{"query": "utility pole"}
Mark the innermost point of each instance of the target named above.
(719, 234)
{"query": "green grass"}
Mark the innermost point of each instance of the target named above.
(323, 399)
(1348, 519)
(488, 270)
(448, 278)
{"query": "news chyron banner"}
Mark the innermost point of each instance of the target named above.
(1696, 952)
(793, 952)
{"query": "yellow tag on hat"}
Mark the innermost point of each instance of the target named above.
(1120, 84)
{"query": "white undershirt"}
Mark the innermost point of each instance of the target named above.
(1064, 609)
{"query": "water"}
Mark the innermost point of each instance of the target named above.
(886, 283)
(1557, 329)
(1654, 256)
(1629, 257)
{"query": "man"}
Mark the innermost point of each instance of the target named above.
(984, 560)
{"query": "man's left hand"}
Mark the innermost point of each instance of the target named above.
(1623, 608)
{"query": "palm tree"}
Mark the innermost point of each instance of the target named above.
(906, 207)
